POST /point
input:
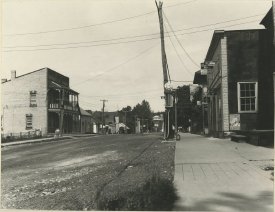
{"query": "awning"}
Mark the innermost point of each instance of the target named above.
(199, 79)
(123, 125)
(84, 112)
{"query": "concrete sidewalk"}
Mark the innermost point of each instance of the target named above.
(220, 175)
(46, 139)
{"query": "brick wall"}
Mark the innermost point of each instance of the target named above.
(16, 102)
(224, 87)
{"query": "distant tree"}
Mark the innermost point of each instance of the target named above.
(144, 112)
(126, 113)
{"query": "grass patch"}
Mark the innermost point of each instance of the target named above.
(145, 184)
(157, 194)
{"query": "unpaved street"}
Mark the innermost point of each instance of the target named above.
(66, 174)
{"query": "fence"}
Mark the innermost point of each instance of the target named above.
(21, 135)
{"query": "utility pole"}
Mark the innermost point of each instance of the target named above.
(136, 124)
(103, 106)
(163, 55)
(61, 124)
(176, 115)
(167, 124)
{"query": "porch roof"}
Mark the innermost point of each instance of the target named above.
(84, 112)
(56, 85)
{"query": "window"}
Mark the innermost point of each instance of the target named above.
(33, 99)
(247, 97)
(28, 121)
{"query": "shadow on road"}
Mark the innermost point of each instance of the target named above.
(228, 201)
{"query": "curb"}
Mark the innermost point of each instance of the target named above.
(34, 141)
(46, 140)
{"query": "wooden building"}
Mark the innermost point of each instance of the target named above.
(239, 81)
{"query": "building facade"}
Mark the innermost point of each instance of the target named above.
(40, 100)
(158, 123)
(239, 81)
(86, 121)
(200, 78)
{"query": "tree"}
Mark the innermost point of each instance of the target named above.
(143, 111)
(183, 106)
(126, 115)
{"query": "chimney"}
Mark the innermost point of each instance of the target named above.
(13, 74)
(3, 80)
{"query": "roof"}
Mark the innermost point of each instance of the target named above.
(108, 116)
(41, 69)
(217, 36)
(157, 118)
(199, 79)
(56, 85)
(84, 112)
(267, 18)
(123, 125)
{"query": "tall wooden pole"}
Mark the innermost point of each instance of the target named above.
(165, 71)
(163, 55)
(103, 119)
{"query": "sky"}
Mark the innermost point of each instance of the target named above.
(110, 49)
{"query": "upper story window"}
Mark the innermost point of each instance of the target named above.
(247, 97)
(33, 99)
(28, 121)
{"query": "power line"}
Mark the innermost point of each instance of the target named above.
(97, 24)
(74, 47)
(128, 37)
(112, 43)
(73, 43)
(178, 53)
(222, 22)
(191, 59)
(81, 27)
(125, 94)
(117, 66)
(216, 28)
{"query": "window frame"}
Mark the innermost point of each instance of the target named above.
(239, 97)
(34, 95)
(29, 126)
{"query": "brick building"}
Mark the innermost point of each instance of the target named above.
(41, 100)
(239, 81)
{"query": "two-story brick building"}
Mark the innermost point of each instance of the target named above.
(41, 100)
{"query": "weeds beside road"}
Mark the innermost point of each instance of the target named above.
(120, 172)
